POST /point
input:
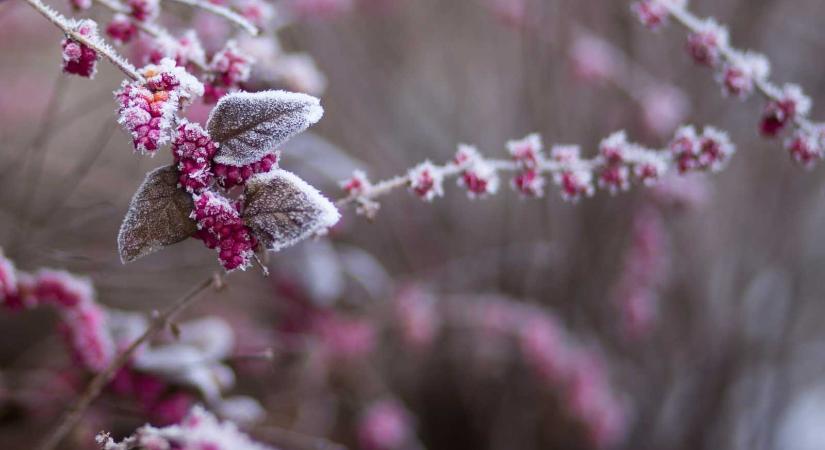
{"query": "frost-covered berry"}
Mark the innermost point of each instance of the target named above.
(739, 76)
(705, 44)
(478, 177)
(184, 50)
(230, 67)
(62, 289)
(649, 168)
(426, 181)
(806, 147)
(220, 227)
(529, 183)
(144, 10)
(615, 173)
(715, 149)
(87, 335)
(121, 29)
(527, 152)
(231, 176)
(193, 150)
(357, 184)
(652, 13)
(685, 148)
(574, 178)
(792, 103)
(79, 59)
(385, 425)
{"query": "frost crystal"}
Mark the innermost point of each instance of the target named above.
(249, 126)
(158, 216)
(282, 209)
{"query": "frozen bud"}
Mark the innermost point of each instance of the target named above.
(193, 151)
(529, 183)
(527, 152)
(80, 5)
(121, 29)
(357, 184)
(705, 44)
(685, 148)
(651, 13)
(79, 59)
(220, 227)
(575, 183)
(615, 174)
(739, 76)
(144, 10)
(614, 178)
(259, 12)
(385, 425)
(614, 148)
(426, 181)
(806, 147)
(593, 59)
(231, 176)
(791, 103)
(649, 167)
(479, 177)
(715, 149)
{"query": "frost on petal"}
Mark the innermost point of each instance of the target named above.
(158, 216)
(249, 126)
(282, 209)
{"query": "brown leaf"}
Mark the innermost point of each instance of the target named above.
(158, 216)
(282, 209)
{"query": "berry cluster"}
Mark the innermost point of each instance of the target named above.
(220, 227)
(78, 58)
(741, 73)
(229, 68)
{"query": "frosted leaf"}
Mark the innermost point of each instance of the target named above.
(282, 209)
(249, 126)
(158, 216)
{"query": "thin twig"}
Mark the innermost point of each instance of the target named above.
(98, 45)
(224, 12)
(72, 417)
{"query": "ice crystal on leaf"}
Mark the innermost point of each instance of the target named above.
(249, 126)
(158, 216)
(282, 209)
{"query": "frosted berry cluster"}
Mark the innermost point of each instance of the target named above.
(229, 68)
(147, 109)
(220, 227)
(617, 165)
(121, 29)
(231, 176)
(193, 151)
(78, 58)
(741, 73)
(144, 10)
(82, 319)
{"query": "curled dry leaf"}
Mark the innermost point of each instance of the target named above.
(249, 126)
(158, 216)
(282, 209)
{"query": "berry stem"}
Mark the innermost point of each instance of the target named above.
(224, 12)
(73, 416)
(98, 46)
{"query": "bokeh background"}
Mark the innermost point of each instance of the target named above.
(456, 318)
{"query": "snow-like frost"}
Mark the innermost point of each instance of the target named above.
(249, 126)
(282, 209)
(158, 216)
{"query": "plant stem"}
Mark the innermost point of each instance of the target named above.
(72, 417)
(224, 12)
(98, 46)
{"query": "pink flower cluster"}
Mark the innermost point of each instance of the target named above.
(478, 177)
(147, 109)
(79, 59)
(643, 272)
(741, 73)
(220, 227)
(384, 425)
(228, 69)
(426, 181)
(710, 151)
(82, 320)
(527, 153)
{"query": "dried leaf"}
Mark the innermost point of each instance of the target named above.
(249, 126)
(282, 209)
(158, 216)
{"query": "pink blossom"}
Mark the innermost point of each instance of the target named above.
(426, 181)
(385, 425)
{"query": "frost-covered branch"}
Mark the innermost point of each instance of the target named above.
(742, 73)
(82, 34)
(95, 387)
(617, 165)
(224, 12)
